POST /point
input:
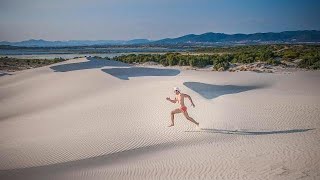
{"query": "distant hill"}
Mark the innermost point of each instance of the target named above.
(44, 43)
(138, 41)
(216, 38)
(209, 38)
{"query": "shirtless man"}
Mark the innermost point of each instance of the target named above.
(183, 109)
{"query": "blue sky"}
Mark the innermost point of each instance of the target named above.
(152, 19)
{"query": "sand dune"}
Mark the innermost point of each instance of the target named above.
(93, 119)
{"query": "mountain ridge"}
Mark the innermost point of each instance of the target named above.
(214, 38)
(209, 38)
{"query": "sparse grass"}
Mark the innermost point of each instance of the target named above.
(13, 64)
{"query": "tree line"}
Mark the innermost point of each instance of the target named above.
(14, 64)
(306, 56)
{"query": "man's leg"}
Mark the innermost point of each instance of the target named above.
(176, 111)
(185, 113)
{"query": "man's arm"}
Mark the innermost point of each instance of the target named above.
(187, 96)
(173, 101)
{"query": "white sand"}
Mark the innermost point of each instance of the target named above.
(91, 121)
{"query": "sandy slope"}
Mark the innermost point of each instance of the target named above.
(91, 120)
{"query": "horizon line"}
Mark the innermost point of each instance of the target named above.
(156, 39)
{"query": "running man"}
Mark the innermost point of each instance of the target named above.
(183, 109)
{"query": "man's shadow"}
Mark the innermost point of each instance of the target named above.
(250, 132)
(211, 91)
(92, 63)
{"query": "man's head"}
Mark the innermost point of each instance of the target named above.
(176, 90)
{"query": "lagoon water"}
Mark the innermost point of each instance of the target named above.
(66, 53)
(64, 56)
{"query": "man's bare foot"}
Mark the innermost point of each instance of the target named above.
(171, 125)
(198, 127)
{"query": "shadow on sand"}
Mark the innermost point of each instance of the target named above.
(125, 73)
(5, 74)
(41, 172)
(92, 63)
(211, 91)
(247, 132)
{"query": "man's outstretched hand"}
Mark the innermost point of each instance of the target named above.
(168, 99)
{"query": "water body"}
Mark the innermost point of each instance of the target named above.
(66, 53)
(64, 56)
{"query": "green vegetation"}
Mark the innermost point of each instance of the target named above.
(14, 64)
(169, 59)
(306, 56)
(101, 58)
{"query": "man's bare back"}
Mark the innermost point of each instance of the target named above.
(183, 109)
